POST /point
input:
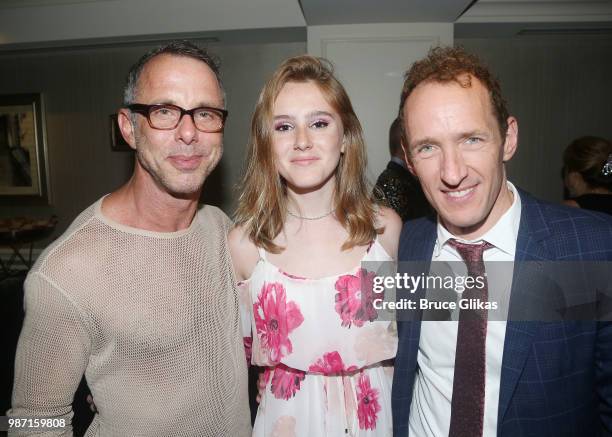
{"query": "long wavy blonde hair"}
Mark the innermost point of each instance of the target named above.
(262, 205)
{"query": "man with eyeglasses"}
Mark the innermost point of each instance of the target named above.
(138, 294)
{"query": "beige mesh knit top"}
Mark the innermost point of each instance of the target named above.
(152, 321)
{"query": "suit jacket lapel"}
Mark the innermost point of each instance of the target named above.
(416, 253)
(420, 237)
(533, 230)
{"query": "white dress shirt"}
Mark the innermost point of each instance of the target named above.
(433, 388)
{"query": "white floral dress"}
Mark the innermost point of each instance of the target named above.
(323, 351)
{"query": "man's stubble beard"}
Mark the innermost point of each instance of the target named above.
(164, 181)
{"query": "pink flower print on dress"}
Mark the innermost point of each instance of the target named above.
(367, 403)
(266, 374)
(284, 427)
(248, 348)
(355, 297)
(285, 382)
(330, 364)
(275, 318)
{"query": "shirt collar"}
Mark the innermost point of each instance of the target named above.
(498, 235)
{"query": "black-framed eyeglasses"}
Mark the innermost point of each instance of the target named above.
(168, 117)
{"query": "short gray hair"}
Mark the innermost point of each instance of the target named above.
(176, 48)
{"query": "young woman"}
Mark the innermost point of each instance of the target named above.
(305, 222)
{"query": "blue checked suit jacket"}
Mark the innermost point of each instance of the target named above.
(556, 377)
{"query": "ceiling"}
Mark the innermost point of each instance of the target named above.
(324, 12)
(53, 23)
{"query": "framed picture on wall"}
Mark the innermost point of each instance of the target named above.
(118, 143)
(23, 149)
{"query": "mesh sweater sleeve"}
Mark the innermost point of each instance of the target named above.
(52, 355)
(242, 289)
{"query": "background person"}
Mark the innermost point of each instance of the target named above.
(396, 186)
(587, 173)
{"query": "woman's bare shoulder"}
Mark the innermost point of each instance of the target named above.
(243, 251)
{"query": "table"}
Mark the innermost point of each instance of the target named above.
(19, 234)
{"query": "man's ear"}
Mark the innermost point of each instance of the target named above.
(126, 127)
(511, 140)
(407, 157)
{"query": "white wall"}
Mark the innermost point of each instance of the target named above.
(370, 61)
(559, 88)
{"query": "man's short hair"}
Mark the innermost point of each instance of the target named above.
(175, 48)
(395, 136)
(455, 64)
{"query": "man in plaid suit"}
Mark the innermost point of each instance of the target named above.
(519, 377)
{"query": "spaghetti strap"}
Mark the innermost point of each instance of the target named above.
(262, 253)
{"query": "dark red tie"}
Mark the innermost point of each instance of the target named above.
(467, 406)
